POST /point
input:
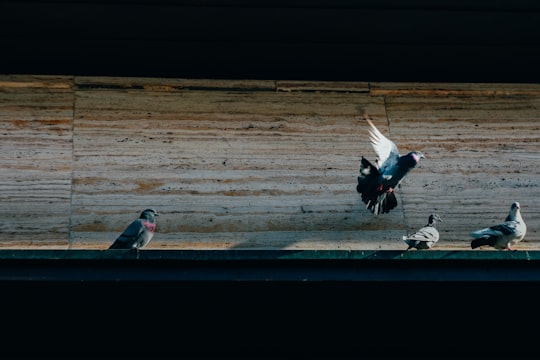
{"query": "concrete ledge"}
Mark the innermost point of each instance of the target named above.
(274, 255)
(264, 265)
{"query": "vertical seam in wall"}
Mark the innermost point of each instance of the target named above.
(70, 220)
(387, 117)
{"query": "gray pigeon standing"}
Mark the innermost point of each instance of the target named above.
(377, 183)
(504, 235)
(425, 237)
(139, 233)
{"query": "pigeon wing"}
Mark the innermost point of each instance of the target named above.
(427, 233)
(130, 236)
(506, 228)
(423, 238)
(386, 150)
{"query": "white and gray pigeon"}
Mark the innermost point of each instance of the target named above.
(377, 182)
(139, 233)
(426, 236)
(504, 235)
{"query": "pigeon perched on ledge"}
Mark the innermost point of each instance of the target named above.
(377, 182)
(504, 235)
(425, 237)
(139, 233)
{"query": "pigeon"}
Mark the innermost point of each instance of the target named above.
(504, 235)
(425, 237)
(139, 233)
(377, 182)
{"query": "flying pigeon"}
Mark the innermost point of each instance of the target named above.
(425, 237)
(139, 233)
(504, 235)
(377, 182)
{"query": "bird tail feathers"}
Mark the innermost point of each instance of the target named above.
(411, 243)
(380, 203)
(482, 241)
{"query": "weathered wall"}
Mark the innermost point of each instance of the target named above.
(257, 164)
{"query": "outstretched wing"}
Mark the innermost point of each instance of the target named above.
(386, 150)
